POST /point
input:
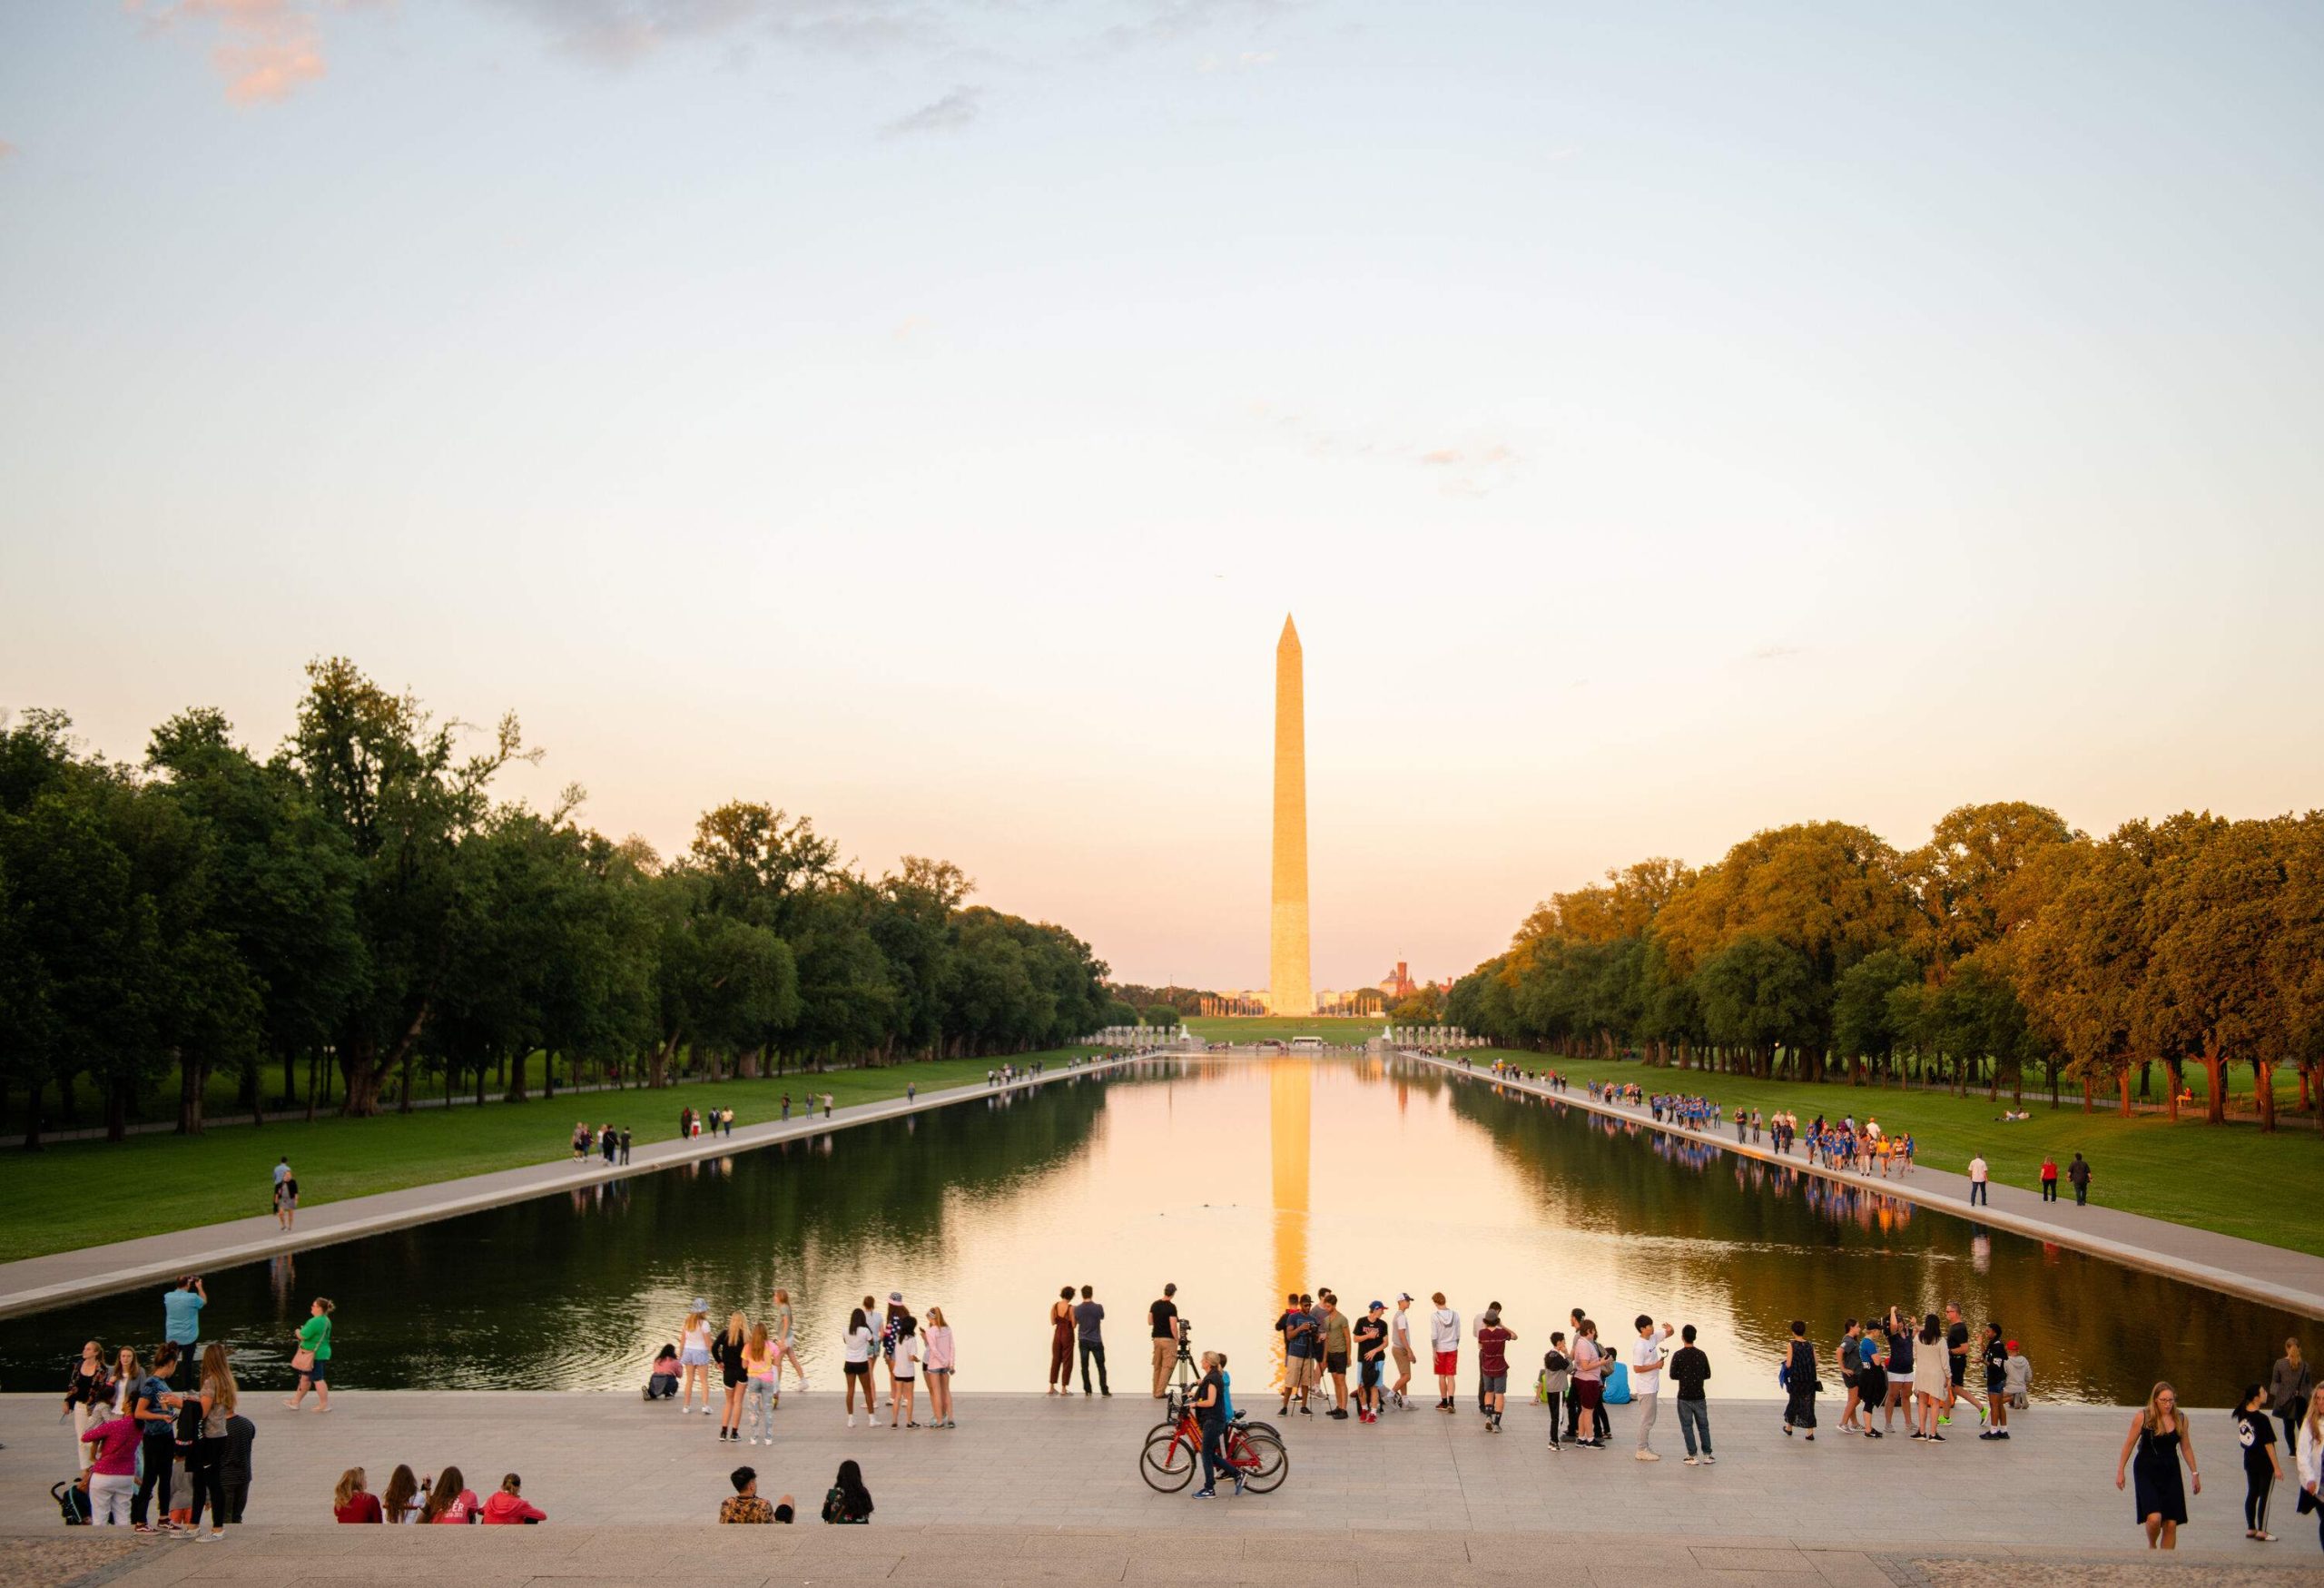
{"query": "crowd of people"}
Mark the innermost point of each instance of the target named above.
(1841, 1144)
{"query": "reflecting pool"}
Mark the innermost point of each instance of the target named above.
(1240, 1180)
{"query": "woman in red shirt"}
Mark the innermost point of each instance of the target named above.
(350, 1501)
(450, 1500)
(508, 1507)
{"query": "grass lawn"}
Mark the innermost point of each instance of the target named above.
(86, 1193)
(2226, 1178)
(1351, 1030)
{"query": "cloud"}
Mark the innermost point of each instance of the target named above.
(1442, 457)
(1249, 60)
(616, 33)
(7, 150)
(1774, 653)
(263, 49)
(1162, 21)
(949, 114)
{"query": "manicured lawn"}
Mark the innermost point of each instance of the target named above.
(86, 1193)
(2226, 1178)
(1262, 1028)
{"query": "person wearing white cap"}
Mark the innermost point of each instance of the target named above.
(1400, 1347)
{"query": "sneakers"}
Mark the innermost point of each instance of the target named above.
(1708, 1459)
(1238, 1486)
(1645, 1455)
(851, 1419)
(1205, 1494)
(1688, 1462)
(1337, 1414)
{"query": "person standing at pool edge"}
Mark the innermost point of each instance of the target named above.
(1163, 1317)
(2077, 1171)
(314, 1345)
(2289, 1386)
(1400, 1347)
(1088, 1322)
(1492, 1364)
(1689, 1370)
(1645, 1381)
(182, 1313)
(1445, 1345)
(1061, 1342)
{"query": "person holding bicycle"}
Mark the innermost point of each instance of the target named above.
(1210, 1410)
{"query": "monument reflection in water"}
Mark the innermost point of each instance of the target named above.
(1241, 1180)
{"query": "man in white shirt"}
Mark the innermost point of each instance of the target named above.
(1400, 1347)
(1646, 1379)
(1444, 1340)
(1978, 1182)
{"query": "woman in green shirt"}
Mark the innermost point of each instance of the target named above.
(313, 1357)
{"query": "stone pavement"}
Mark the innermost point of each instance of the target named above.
(1031, 1487)
(2275, 1276)
(36, 1284)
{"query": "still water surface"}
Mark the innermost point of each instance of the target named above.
(1239, 1178)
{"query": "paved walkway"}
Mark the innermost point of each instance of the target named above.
(36, 1284)
(2257, 1272)
(1031, 1487)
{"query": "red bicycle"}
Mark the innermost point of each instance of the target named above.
(1173, 1452)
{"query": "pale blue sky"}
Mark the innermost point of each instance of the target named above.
(1664, 421)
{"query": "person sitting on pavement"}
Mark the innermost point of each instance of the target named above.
(745, 1504)
(508, 1507)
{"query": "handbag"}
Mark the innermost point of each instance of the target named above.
(2306, 1503)
(302, 1360)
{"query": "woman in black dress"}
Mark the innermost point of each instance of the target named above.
(2159, 1438)
(1800, 1381)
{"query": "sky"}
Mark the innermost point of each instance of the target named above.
(1663, 421)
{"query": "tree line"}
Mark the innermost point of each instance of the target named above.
(2008, 944)
(362, 900)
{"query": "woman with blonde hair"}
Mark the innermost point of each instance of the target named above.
(2159, 1436)
(205, 1463)
(728, 1353)
(785, 1342)
(758, 1384)
(351, 1502)
(940, 1363)
(2308, 1461)
(694, 1356)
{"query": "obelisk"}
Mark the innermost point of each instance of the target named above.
(1288, 990)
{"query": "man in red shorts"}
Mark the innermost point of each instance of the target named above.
(1444, 1339)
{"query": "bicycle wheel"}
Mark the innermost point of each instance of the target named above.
(1165, 1464)
(1273, 1463)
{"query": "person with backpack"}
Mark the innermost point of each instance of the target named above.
(1799, 1383)
(848, 1503)
(1557, 1373)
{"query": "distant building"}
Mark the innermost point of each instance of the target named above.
(1397, 985)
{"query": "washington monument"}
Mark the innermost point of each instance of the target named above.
(1288, 989)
